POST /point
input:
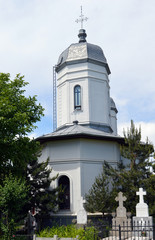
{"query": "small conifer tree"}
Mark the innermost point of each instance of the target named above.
(42, 198)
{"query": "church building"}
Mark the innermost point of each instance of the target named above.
(86, 133)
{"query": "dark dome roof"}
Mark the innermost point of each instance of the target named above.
(82, 52)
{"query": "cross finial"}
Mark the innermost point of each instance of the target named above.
(81, 19)
(120, 199)
(141, 193)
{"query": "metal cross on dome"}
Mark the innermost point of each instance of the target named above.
(81, 19)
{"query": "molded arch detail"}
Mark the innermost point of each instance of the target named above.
(65, 182)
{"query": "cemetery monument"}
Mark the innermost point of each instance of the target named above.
(82, 214)
(142, 222)
(121, 217)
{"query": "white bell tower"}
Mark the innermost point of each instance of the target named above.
(83, 87)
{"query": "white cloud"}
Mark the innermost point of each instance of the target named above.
(32, 135)
(120, 101)
(35, 32)
(147, 129)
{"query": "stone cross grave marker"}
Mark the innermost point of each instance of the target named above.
(142, 221)
(121, 217)
(141, 207)
(121, 210)
(141, 194)
(81, 214)
(120, 199)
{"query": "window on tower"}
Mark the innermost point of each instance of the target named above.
(77, 97)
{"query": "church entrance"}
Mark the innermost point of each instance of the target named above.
(65, 197)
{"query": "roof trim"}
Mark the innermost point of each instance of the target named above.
(44, 139)
(83, 60)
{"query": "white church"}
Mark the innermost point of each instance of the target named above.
(86, 133)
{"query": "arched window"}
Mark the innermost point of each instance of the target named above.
(77, 97)
(65, 197)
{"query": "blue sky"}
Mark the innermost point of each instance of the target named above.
(35, 32)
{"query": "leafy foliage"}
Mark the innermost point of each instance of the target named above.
(18, 153)
(12, 197)
(18, 115)
(132, 173)
(69, 231)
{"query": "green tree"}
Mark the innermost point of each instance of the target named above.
(149, 184)
(18, 115)
(12, 198)
(137, 171)
(132, 172)
(135, 151)
(18, 153)
(42, 198)
(100, 197)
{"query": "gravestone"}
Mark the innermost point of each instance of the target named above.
(142, 222)
(120, 210)
(141, 208)
(81, 214)
(121, 217)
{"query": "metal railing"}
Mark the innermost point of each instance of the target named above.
(134, 232)
(142, 231)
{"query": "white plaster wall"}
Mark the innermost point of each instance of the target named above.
(92, 170)
(83, 114)
(99, 150)
(62, 104)
(63, 150)
(72, 171)
(98, 101)
(81, 160)
(81, 149)
(94, 83)
(79, 70)
(64, 159)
